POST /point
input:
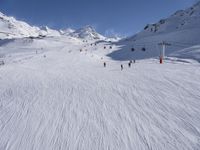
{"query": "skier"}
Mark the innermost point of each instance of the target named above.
(134, 61)
(122, 67)
(129, 64)
(104, 64)
(2, 63)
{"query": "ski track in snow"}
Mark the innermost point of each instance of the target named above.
(69, 101)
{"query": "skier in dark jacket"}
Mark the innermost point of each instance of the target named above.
(129, 64)
(104, 64)
(122, 67)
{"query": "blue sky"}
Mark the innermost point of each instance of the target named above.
(123, 17)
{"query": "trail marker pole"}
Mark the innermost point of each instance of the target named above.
(162, 52)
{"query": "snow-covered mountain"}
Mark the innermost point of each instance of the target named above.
(88, 33)
(181, 20)
(49, 32)
(12, 28)
(67, 31)
(181, 30)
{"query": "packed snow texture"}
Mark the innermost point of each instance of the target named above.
(61, 98)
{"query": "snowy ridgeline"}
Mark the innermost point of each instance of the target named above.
(11, 28)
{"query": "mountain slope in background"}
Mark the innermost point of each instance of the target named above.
(181, 30)
(67, 31)
(181, 20)
(88, 33)
(11, 28)
(49, 32)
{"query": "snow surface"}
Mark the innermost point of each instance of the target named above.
(61, 98)
(55, 93)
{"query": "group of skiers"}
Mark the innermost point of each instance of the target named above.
(122, 66)
(104, 64)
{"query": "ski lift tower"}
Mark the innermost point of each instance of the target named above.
(162, 52)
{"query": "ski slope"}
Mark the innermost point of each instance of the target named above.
(60, 98)
(181, 30)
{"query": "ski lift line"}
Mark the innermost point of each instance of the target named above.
(170, 42)
(146, 43)
(182, 43)
(176, 45)
(142, 43)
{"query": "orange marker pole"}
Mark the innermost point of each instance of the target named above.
(161, 60)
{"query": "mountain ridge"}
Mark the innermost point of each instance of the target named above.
(181, 30)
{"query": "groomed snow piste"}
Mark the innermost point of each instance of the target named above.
(54, 97)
